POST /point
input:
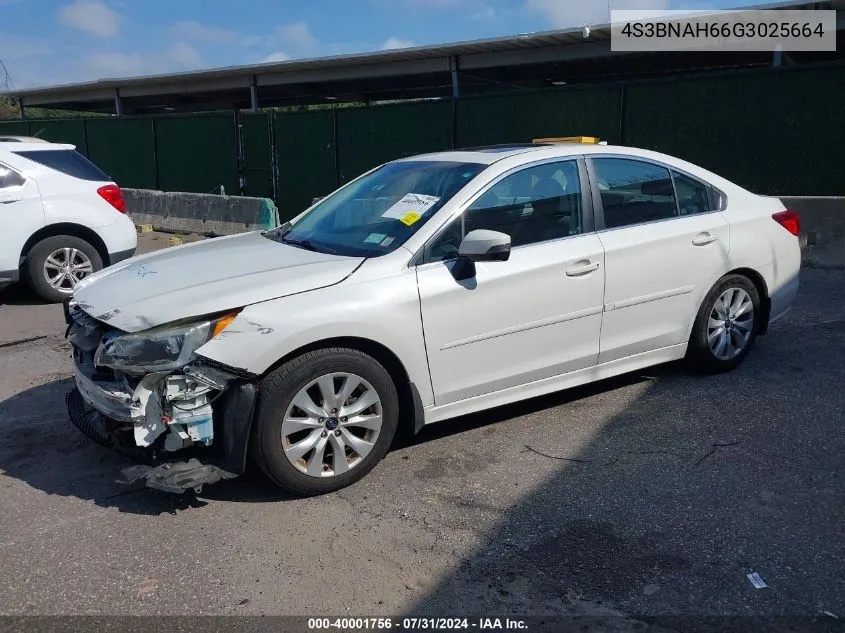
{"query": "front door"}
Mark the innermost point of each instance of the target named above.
(535, 316)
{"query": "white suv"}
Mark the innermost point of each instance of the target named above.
(61, 217)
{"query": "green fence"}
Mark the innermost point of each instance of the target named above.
(195, 153)
(306, 158)
(774, 131)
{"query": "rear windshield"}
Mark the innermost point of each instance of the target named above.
(68, 162)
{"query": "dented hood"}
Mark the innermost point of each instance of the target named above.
(205, 277)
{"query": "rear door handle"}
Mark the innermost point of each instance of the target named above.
(704, 239)
(583, 269)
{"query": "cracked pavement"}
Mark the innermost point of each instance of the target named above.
(649, 495)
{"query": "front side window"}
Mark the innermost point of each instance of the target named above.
(9, 178)
(67, 161)
(535, 204)
(633, 191)
(379, 212)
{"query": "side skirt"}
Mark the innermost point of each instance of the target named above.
(555, 383)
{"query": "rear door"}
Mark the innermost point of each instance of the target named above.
(21, 215)
(664, 243)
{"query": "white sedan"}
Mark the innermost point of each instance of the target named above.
(428, 288)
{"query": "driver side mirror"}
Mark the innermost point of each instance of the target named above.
(481, 245)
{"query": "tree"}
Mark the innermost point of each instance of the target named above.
(9, 108)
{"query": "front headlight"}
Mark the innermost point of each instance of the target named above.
(165, 348)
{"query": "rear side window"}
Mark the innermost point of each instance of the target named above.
(68, 162)
(9, 178)
(633, 192)
(693, 196)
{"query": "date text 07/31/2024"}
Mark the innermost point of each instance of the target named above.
(415, 624)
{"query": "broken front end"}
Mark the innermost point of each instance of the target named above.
(149, 396)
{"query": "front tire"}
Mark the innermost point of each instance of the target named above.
(56, 264)
(324, 420)
(726, 326)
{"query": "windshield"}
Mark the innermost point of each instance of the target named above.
(379, 212)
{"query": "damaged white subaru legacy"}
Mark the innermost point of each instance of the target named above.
(428, 288)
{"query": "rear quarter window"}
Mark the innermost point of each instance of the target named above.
(67, 161)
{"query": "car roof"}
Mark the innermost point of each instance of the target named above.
(490, 154)
(5, 138)
(486, 155)
(495, 153)
(30, 144)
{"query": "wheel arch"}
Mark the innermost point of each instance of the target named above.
(762, 290)
(411, 414)
(66, 228)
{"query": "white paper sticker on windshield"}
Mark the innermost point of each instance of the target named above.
(375, 238)
(412, 203)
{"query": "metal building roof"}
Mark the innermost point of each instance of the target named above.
(521, 62)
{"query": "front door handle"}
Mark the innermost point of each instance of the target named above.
(704, 239)
(582, 269)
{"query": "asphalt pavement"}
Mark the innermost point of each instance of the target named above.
(649, 497)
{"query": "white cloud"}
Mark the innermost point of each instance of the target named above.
(117, 64)
(91, 16)
(278, 56)
(180, 56)
(184, 56)
(252, 40)
(573, 13)
(484, 14)
(395, 42)
(193, 31)
(296, 36)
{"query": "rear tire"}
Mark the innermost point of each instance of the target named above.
(56, 264)
(327, 443)
(726, 326)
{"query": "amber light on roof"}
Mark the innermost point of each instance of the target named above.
(591, 140)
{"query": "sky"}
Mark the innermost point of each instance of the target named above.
(48, 42)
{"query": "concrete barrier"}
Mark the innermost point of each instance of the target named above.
(203, 214)
(822, 229)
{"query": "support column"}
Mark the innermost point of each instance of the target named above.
(118, 103)
(454, 64)
(239, 149)
(253, 93)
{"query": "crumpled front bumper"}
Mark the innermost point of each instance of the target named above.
(110, 399)
(108, 411)
(226, 459)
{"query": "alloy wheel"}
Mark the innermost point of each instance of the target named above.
(731, 323)
(65, 267)
(332, 424)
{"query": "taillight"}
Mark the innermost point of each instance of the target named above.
(114, 196)
(788, 220)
